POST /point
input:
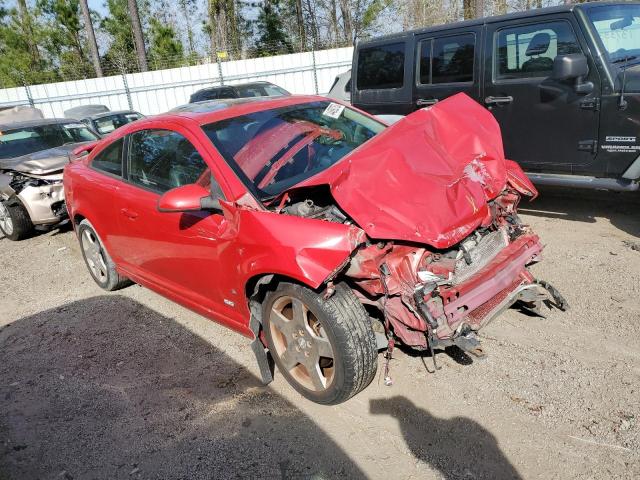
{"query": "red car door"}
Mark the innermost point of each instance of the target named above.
(173, 253)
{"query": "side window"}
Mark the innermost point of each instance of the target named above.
(528, 51)
(347, 86)
(381, 67)
(109, 160)
(425, 62)
(160, 160)
(452, 60)
(447, 59)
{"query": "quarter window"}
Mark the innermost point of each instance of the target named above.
(447, 59)
(110, 159)
(160, 160)
(381, 67)
(529, 51)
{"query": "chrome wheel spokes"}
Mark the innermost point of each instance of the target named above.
(6, 223)
(301, 343)
(94, 254)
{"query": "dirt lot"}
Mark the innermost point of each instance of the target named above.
(128, 385)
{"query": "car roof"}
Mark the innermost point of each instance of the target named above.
(248, 84)
(98, 116)
(488, 20)
(215, 110)
(35, 123)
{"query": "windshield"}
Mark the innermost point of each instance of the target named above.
(619, 29)
(23, 141)
(275, 149)
(108, 124)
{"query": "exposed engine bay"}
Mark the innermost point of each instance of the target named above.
(433, 298)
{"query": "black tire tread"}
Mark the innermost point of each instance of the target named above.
(354, 335)
(22, 225)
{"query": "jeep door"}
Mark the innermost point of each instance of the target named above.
(547, 125)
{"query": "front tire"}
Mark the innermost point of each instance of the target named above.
(101, 267)
(15, 222)
(326, 349)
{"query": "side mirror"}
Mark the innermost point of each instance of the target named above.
(188, 198)
(570, 67)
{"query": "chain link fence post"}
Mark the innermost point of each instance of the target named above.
(221, 78)
(126, 88)
(315, 70)
(28, 90)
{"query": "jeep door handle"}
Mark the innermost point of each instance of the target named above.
(424, 102)
(128, 213)
(498, 100)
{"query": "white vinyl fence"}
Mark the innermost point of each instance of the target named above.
(161, 90)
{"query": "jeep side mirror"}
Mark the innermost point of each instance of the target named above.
(572, 67)
(188, 198)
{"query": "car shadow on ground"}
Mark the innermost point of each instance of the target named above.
(621, 208)
(439, 442)
(108, 388)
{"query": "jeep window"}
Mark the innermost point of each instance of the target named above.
(528, 51)
(275, 149)
(109, 160)
(23, 141)
(447, 59)
(160, 160)
(618, 27)
(381, 67)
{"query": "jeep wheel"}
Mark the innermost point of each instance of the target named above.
(15, 223)
(326, 349)
(98, 261)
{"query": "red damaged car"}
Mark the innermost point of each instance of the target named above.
(313, 228)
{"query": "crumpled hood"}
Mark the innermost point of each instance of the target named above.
(42, 162)
(425, 179)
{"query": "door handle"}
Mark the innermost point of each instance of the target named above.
(424, 102)
(128, 213)
(498, 100)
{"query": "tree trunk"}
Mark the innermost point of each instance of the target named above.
(91, 38)
(346, 20)
(25, 19)
(301, 30)
(479, 8)
(138, 38)
(502, 7)
(468, 9)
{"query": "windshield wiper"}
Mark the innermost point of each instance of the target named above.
(624, 59)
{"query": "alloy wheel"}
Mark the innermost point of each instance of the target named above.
(6, 222)
(95, 256)
(301, 343)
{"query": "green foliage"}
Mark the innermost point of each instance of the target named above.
(64, 37)
(20, 60)
(272, 37)
(117, 25)
(165, 49)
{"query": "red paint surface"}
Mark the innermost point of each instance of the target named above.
(426, 180)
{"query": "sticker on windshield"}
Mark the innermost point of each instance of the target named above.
(334, 110)
(75, 125)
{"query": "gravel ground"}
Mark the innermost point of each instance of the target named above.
(129, 385)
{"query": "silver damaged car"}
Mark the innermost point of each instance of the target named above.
(32, 156)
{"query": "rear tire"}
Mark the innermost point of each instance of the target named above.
(101, 267)
(15, 222)
(326, 349)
